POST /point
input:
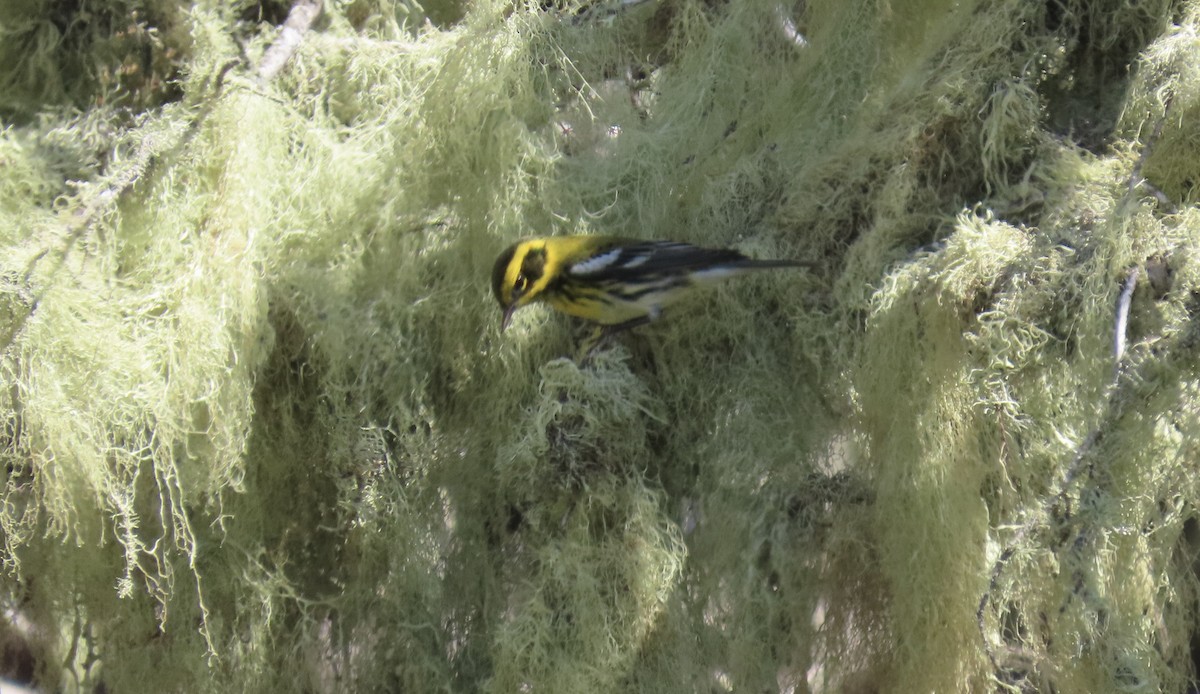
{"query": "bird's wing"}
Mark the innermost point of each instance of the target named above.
(641, 259)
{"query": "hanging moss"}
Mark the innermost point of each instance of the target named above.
(260, 431)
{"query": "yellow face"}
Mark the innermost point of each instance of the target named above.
(519, 276)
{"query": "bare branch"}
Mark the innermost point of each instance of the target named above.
(1122, 322)
(299, 21)
(1135, 176)
(1116, 396)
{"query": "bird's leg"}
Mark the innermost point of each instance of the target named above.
(589, 344)
(603, 333)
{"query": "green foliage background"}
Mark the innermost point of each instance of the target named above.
(261, 433)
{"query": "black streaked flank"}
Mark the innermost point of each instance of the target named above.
(641, 290)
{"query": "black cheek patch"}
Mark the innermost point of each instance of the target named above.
(499, 270)
(534, 265)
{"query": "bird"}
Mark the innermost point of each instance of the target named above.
(617, 283)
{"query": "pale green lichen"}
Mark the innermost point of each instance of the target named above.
(260, 431)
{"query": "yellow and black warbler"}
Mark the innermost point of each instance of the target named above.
(616, 282)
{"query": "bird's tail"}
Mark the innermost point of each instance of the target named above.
(750, 264)
(740, 266)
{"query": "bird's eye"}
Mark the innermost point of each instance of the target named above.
(521, 284)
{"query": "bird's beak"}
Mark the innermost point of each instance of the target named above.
(508, 314)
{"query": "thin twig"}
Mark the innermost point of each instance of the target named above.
(1060, 493)
(593, 13)
(1114, 396)
(1159, 195)
(787, 25)
(1123, 303)
(1135, 176)
(299, 21)
(301, 17)
(103, 202)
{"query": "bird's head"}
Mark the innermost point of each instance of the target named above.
(518, 276)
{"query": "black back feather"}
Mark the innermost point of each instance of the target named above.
(665, 258)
